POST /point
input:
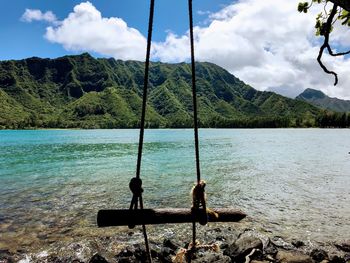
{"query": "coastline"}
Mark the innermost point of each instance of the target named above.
(238, 242)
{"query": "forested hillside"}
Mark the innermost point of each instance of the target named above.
(84, 92)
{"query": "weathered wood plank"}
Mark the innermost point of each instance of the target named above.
(124, 217)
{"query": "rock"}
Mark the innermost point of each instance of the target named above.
(6, 256)
(127, 255)
(53, 259)
(127, 252)
(210, 257)
(270, 258)
(242, 247)
(336, 259)
(135, 253)
(170, 244)
(279, 242)
(298, 243)
(224, 246)
(220, 238)
(155, 253)
(257, 261)
(255, 254)
(217, 230)
(270, 249)
(344, 246)
(292, 257)
(97, 259)
(166, 254)
(140, 253)
(318, 254)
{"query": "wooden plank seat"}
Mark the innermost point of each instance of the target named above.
(126, 217)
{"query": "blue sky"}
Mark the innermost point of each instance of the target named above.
(267, 44)
(21, 40)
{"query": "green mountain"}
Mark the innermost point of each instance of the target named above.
(84, 92)
(318, 98)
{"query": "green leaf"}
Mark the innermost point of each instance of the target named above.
(303, 7)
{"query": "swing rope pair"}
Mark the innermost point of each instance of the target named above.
(198, 203)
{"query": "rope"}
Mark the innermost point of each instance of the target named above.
(195, 120)
(194, 97)
(185, 253)
(136, 183)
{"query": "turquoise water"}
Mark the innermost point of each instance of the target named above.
(292, 182)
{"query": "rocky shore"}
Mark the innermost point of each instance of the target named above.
(225, 243)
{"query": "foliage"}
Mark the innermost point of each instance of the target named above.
(83, 92)
(321, 18)
(333, 119)
(324, 26)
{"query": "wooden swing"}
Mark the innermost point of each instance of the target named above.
(198, 212)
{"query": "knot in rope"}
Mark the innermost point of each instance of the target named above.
(199, 207)
(135, 186)
(186, 253)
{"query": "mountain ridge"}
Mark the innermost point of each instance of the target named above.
(319, 99)
(85, 92)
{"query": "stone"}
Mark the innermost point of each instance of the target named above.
(6, 256)
(140, 253)
(318, 254)
(270, 249)
(220, 238)
(170, 244)
(256, 254)
(279, 242)
(298, 243)
(344, 246)
(242, 247)
(53, 259)
(224, 246)
(166, 254)
(211, 257)
(217, 230)
(336, 259)
(127, 255)
(97, 259)
(127, 252)
(292, 257)
(155, 253)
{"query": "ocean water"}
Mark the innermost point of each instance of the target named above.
(292, 182)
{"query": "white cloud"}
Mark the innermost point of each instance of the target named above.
(267, 44)
(86, 30)
(36, 15)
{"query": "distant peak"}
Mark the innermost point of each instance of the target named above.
(312, 93)
(86, 54)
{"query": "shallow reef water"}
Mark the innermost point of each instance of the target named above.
(292, 183)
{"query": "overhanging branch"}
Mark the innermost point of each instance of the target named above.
(345, 4)
(326, 31)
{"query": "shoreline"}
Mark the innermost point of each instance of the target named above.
(180, 128)
(237, 242)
